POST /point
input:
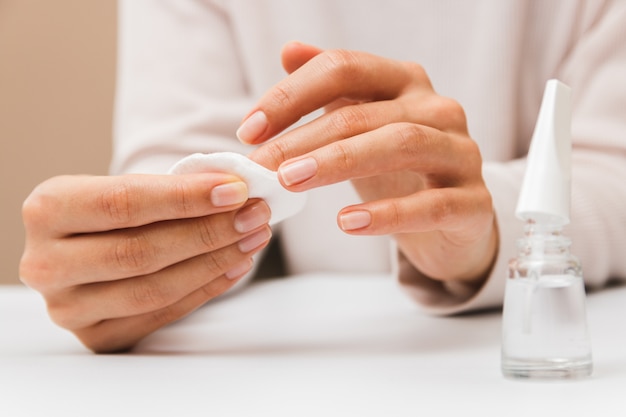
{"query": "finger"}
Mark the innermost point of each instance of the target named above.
(86, 305)
(349, 120)
(296, 54)
(77, 204)
(325, 78)
(457, 210)
(122, 334)
(124, 253)
(443, 158)
(342, 123)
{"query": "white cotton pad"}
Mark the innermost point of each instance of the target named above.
(261, 182)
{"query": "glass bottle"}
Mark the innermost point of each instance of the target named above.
(544, 322)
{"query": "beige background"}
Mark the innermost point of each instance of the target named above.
(57, 68)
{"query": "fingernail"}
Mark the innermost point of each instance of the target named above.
(252, 127)
(255, 240)
(239, 270)
(229, 194)
(252, 217)
(298, 171)
(355, 220)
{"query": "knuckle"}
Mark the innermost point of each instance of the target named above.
(62, 316)
(416, 71)
(282, 97)
(474, 149)
(30, 272)
(39, 205)
(411, 139)
(182, 202)
(215, 288)
(347, 120)
(167, 315)
(344, 157)
(35, 270)
(484, 200)
(116, 204)
(450, 110)
(216, 262)
(276, 152)
(34, 209)
(342, 63)
(441, 212)
(472, 159)
(148, 296)
(98, 339)
(67, 315)
(133, 254)
(207, 235)
(393, 217)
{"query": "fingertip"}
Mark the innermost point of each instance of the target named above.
(256, 241)
(239, 270)
(229, 194)
(294, 54)
(354, 220)
(253, 127)
(289, 46)
(296, 172)
(296, 45)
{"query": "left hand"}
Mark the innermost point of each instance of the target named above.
(406, 150)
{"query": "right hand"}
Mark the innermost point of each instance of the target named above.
(118, 257)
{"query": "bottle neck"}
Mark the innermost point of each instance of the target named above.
(543, 239)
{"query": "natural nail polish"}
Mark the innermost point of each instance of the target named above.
(252, 127)
(255, 240)
(251, 217)
(239, 270)
(229, 194)
(355, 220)
(298, 171)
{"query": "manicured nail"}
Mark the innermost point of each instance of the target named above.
(251, 217)
(355, 220)
(239, 270)
(252, 127)
(298, 171)
(229, 194)
(255, 240)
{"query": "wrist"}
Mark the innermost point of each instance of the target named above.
(469, 266)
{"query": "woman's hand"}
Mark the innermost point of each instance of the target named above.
(406, 149)
(116, 258)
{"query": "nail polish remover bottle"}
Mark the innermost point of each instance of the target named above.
(544, 321)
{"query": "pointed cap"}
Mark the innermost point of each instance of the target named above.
(545, 194)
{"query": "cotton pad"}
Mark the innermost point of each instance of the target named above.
(261, 182)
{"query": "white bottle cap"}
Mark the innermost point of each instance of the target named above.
(545, 194)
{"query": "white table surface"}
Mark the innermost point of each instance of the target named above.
(314, 345)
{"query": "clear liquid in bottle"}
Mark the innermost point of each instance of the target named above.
(544, 329)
